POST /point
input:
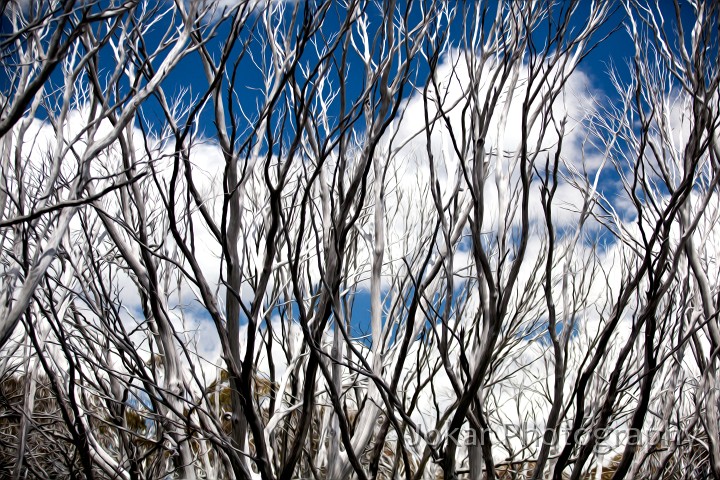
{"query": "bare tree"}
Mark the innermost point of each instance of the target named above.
(370, 239)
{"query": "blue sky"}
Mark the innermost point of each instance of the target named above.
(616, 50)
